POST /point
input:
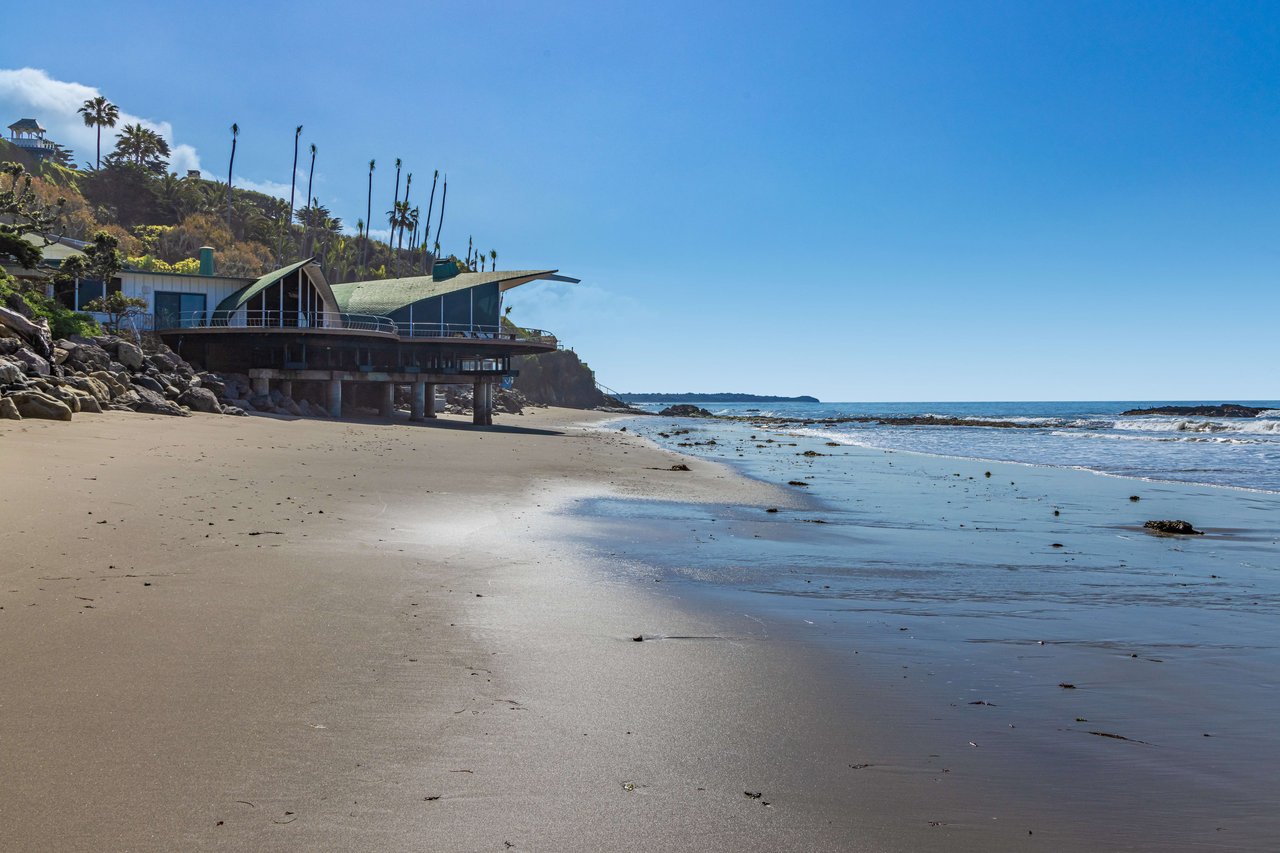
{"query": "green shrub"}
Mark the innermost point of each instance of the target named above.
(63, 322)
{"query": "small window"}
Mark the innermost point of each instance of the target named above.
(87, 292)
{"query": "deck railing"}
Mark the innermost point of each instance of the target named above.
(475, 332)
(272, 319)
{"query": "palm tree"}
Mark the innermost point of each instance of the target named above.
(306, 233)
(235, 133)
(368, 214)
(444, 194)
(404, 218)
(391, 238)
(468, 250)
(430, 204)
(493, 259)
(293, 180)
(99, 112)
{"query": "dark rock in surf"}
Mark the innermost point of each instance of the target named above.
(1222, 410)
(1177, 528)
(684, 410)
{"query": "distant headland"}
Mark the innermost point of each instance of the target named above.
(712, 398)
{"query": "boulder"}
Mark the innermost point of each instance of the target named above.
(9, 410)
(114, 385)
(34, 363)
(34, 404)
(90, 386)
(10, 373)
(164, 362)
(59, 355)
(34, 331)
(234, 410)
(201, 400)
(150, 403)
(87, 357)
(88, 403)
(1178, 527)
(148, 383)
(66, 395)
(130, 356)
(213, 383)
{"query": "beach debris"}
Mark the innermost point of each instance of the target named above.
(639, 638)
(796, 483)
(431, 799)
(1057, 545)
(680, 467)
(829, 443)
(860, 766)
(630, 786)
(1134, 498)
(987, 474)
(753, 795)
(811, 453)
(983, 702)
(1066, 685)
(1119, 737)
(772, 509)
(1176, 527)
(1056, 513)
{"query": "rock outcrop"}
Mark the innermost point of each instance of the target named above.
(685, 410)
(1222, 410)
(1179, 528)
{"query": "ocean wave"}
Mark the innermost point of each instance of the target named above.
(1197, 426)
(1198, 439)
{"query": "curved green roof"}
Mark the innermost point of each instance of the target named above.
(249, 291)
(389, 295)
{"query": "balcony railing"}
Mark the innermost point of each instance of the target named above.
(273, 319)
(475, 332)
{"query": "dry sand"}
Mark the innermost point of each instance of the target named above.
(272, 634)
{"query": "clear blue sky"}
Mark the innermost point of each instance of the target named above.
(861, 201)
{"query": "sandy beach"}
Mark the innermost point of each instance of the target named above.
(263, 633)
(279, 634)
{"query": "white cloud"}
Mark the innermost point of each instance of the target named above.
(31, 93)
(274, 188)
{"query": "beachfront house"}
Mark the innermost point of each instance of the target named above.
(313, 340)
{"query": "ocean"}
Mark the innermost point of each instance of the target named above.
(992, 593)
(1095, 436)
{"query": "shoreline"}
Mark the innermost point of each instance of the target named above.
(397, 636)
(994, 620)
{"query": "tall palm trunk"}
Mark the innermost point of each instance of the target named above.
(427, 235)
(293, 181)
(408, 184)
(235, 133)
(391, 238)
(99, 166)
(368, 217)
(306, 226)
(444, 194)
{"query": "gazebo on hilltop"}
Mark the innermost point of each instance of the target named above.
(28, 134)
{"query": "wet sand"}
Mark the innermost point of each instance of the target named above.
(262, 633)
(1103, 686)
